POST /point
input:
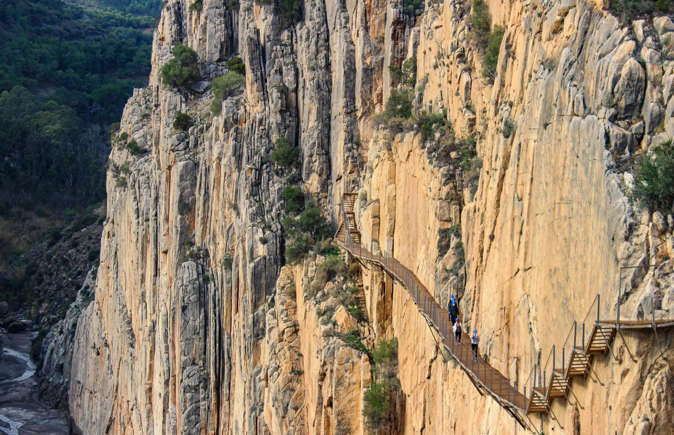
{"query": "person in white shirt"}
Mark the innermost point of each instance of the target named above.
(474, 340)
(457, 330)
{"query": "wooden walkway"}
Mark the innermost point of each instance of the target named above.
(483, 376)
(546, 381)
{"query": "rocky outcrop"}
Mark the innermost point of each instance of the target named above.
(57, 349)
(520, 207)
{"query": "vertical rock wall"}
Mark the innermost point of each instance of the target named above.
(193, 330)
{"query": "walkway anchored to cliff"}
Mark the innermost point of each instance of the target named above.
(546, 381)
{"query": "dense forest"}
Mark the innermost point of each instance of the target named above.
(67, 69)
(66, 74)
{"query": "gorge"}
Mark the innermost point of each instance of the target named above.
(488, 146)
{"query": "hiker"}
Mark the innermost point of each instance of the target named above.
(457, 330)
(474, 340)
(453, 309)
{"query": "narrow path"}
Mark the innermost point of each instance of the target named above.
(21, 412)
(546, 381)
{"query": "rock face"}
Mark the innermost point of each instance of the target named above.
(57, 348)
(197, 328)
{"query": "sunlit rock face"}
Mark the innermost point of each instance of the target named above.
(196, 325)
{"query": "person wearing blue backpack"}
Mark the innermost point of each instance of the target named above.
(453, 309)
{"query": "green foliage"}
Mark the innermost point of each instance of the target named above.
(305, 232)
(357, 312)
(297, 248)
(413, 7)
(376, 403)
(294, 199)
(508, 128)
(196, 6)
(409, 72)
(236, 64)
(183, 121)
(290, 10)
(429, 122)
(492, 51)
(481, 20)
(311, 221)
(406, 75)
(467, 153)
(354, 341)
(654, 179)
(134, 148)
(630, 9)
(138, 7)
(224, 87)
(487, 40)
(331, 267)
(67, 72)
(379, 399)
(399, 104)
(386, 352)
(285, 154)
(183, 69)
(41, 155)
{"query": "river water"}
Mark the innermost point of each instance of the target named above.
(21, 412)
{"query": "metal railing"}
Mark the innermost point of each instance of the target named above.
(481, 373)
(537, 387)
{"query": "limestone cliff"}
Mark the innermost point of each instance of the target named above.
(198, 327)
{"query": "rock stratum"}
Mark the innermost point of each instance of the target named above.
(197, 326)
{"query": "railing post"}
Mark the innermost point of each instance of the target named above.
(553, 360)
(563, 362)
(575, 325)
(598, 305)
(582, 330)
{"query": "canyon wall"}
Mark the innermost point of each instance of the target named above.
(197, 326)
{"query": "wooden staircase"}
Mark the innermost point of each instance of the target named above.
(600, 339)
(348, 223)
(554, 379)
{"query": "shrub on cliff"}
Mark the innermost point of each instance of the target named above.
(491, 52)
(654, 179)
(406, 75)
(224, 87)
(182, 69)
(487, 39)
(305, 232)
(236, 64)
(429, 122)
(399, 104)
(629, 9)
(285, 154)
(297, 248)
(182, 122)
(293, 198)
(291, 10)
(380, 398)
(413, 7)
(196, 6)
(481, 21)
(134, 148)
